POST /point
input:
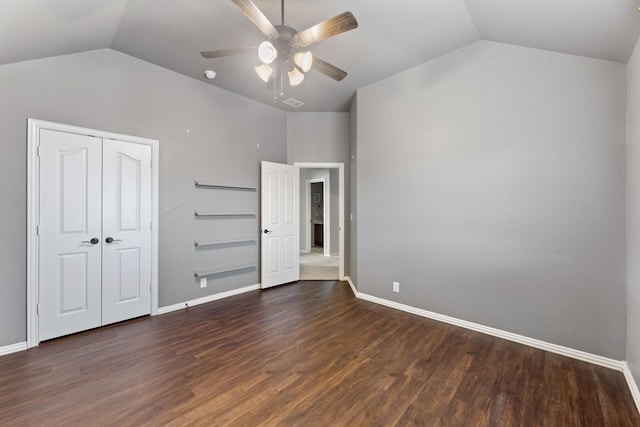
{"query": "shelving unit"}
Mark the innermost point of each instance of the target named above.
(225, 242)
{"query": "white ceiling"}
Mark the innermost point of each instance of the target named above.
(392, 36)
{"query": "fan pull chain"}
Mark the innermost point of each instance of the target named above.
(282, 79)
(275, 83)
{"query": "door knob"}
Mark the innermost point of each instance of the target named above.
(93, 241)
(111, 240)
(267, 231)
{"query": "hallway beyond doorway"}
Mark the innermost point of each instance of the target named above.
(316, 266)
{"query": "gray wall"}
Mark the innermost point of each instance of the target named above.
(110, 91)
(351, 215)
(317, 137)
(491, 185)
(633, 213)
(334, 210)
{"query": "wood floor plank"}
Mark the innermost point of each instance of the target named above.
(305, 354)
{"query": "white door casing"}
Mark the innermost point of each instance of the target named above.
(126, 210)
(70, 233)
(280, 259)
(133, 184)
(341, 205)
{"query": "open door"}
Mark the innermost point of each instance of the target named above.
(280, 196)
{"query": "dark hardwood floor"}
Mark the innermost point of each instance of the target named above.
(301, 355)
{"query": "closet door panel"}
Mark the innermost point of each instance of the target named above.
(69, 268)
(126, 278)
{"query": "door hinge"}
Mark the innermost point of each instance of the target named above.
(38, 151)
(37, 309)
(150, 288)
(151, 226)
(37, 230)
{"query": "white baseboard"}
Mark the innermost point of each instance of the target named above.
(209, 298)
(618, 365)
(633, 386)
(353, 287)
(13, 348)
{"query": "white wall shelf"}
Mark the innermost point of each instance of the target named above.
(198, 244)
(220, 270)
(223, 187)
(225, 214)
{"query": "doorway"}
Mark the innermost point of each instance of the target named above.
(321, 221)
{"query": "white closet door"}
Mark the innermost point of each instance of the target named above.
(70, 233)
(126, 195)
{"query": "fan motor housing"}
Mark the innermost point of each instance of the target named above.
(284, 42)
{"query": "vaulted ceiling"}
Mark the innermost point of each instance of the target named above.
(391, 37)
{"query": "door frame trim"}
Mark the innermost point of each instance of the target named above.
(33, 194)
(341, 206)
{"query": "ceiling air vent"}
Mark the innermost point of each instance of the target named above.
(293, 102)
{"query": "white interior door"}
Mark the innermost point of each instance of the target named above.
(70, 233)
(126, 210)
(280, 196)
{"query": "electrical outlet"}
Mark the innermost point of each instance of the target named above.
(203, 282)
(396, 286)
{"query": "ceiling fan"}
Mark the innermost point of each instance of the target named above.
(284, 50)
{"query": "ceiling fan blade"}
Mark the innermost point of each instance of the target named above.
(229, 52)
(325, 29)
(256, 16)
(328, 69)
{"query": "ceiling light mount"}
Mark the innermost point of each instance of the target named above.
(295, 76)
(304, 60)
(264, 71)
(267, 52)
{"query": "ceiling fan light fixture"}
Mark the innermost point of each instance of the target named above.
(264, 71)
(295, 77)
(304, 60)
(267, 52)
(286, 45)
